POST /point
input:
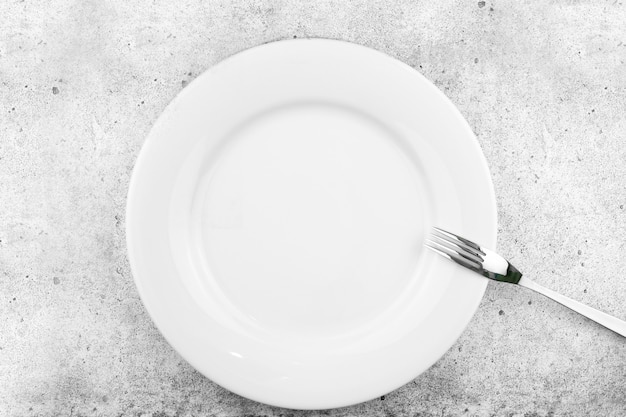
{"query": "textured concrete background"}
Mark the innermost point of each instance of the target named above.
(543, 84)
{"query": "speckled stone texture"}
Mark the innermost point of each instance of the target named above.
(543, 84)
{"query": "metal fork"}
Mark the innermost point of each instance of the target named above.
(495, 267)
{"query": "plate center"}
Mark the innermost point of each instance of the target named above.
(310, 220)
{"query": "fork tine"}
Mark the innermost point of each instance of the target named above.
(456, 246)
(458, 240)
(452, 248)
(452, 255)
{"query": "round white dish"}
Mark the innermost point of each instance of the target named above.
(276, 219)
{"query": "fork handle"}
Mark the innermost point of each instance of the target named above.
(610, 322)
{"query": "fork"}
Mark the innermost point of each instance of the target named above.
(495, 267)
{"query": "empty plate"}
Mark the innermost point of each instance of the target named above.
(276, 219)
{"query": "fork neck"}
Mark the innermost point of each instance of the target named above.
(512, 276)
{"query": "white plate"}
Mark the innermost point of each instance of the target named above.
(276, 219)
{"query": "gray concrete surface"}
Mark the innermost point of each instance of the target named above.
(543, 84)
